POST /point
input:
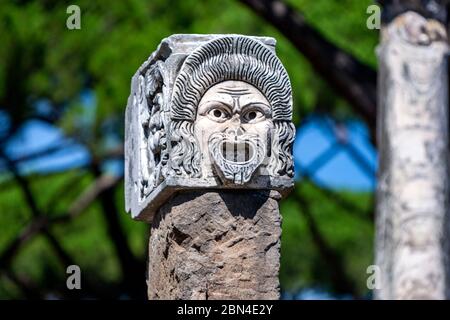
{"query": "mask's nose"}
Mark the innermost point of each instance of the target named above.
(235, 131)
(235, 127)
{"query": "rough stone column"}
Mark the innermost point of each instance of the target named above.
(208, 155)
(227, 247)
(412, 197)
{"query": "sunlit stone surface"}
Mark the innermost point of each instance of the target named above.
(207, 112)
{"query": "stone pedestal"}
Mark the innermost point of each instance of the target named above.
(208, 154)
(216, 245)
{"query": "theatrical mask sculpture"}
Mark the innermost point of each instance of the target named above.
(234, 127)
(207, 112)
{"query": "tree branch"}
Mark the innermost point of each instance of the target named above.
(132, 270)
(341, 282)
(353, 80)
(41, 223)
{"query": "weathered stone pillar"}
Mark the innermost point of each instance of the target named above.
(208, 156)
(227, 247)
(412, 199)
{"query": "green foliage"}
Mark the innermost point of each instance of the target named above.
(343, 22)
(55, 63)
(42, 59)
(85, 238)
(348, 232)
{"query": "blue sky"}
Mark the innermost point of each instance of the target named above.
(341, 171)
(313, 138)
(35, 136)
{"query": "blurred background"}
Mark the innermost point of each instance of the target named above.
(62, 101)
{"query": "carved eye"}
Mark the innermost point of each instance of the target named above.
(218, 114)
(253, 116)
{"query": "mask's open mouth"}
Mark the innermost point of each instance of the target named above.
(237, 152)
(236, 157)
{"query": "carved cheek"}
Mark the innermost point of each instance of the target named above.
(261, 128)
(264, 130)
(203, 129)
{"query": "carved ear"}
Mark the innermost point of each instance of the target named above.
(185, 156)
(281, 162)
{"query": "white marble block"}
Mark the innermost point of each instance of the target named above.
(207, 112)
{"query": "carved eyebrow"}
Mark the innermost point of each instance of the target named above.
(204, 107)
(265, 107)
(219, 102)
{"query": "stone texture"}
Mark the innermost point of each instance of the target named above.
(216, 245)
(208, 149)
(195, 96)
(412, 242)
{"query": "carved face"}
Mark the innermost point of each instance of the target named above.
(233, 127)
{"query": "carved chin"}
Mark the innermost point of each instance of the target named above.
(236, 157)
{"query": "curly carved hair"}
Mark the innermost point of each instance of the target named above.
(230, 58)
